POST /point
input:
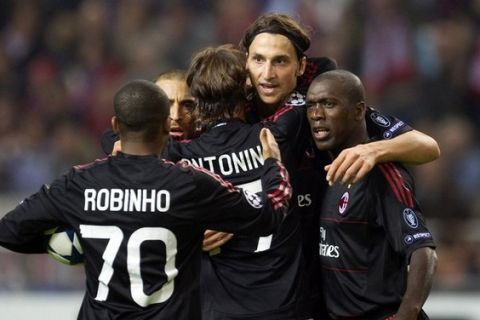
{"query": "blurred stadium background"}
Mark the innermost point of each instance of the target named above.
(61, 62)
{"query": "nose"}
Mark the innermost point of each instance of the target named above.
(175, 112)
(315, 112)
(268, 71)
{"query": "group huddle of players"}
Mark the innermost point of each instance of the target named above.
(210, 221)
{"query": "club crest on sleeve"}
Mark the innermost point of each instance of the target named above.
(253, 199)
(379, 119)
(410, 218)
(343, 203)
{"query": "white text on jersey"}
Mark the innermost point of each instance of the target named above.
(128, 200)
(235, 162)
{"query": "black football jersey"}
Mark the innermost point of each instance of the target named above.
(140, 221)
(367, 234)
(251, 277)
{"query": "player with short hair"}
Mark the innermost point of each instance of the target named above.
(140, 219)
(280, 72)
(377, 256)
(182, 104)
(275, 45)
(249, 277)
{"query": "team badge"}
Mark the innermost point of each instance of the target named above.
(408, 239)
(296, 99)
(379, 119)
(253, 199)
(387, 135)
(343, 203)
(410, 218)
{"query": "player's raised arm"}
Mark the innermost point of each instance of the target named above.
(352, 164)
(269, 145)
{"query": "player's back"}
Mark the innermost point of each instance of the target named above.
(246, 268)
(141, 222)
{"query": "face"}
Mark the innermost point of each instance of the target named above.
(181, 107)
(273, 67)
(331, 116)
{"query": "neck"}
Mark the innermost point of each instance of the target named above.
(265, 110)
(355, 139)
(142, 148)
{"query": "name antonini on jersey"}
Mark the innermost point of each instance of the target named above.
(128, 200)
(235, 162)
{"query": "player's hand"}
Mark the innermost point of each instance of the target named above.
(117, 146)
(269, 145)
(351, 165)
(214, 239)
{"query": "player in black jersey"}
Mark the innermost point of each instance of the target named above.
(377, 256)
(280, 72)
(249, 277)
(275, 45)
(140, 219)
(174, 84)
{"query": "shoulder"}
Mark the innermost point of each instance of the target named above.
(90, 165)
(395, 179)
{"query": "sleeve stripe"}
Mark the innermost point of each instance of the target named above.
(407, 192)
(274, 117)
(395, 180)
(280, 196)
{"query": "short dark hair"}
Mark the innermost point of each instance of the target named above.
(351, 84)
(278, 23)
(216, 78)
(175, 74)
(141, 106)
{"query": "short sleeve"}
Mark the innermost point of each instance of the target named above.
(382, 126)
(400, 214)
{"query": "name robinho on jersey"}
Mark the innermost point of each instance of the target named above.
(128, 200)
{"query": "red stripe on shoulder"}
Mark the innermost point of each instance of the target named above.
(90, 164)
(274, 117)
(407, 193)
(397, 183)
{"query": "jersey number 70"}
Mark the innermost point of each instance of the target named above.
(115, 236)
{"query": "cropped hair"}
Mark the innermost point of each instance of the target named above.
(175, 74)
(277, 23)
(141, 106)
(351, 85)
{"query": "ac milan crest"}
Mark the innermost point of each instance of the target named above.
(343, 203)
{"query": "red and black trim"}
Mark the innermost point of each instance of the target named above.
(394, 178)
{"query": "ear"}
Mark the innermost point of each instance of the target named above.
(360, 108)
(114, 123)
(302, 66)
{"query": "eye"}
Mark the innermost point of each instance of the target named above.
(188, 106)
(257, 59)
(281, 61)
(328, 104)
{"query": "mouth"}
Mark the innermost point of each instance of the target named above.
(268, 89)
(320, 133)
(177, 133)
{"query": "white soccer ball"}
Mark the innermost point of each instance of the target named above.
(64, 246)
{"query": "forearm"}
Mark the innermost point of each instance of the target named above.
(420, 276)
(412, 147)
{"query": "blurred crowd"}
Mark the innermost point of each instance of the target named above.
(61, 62)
